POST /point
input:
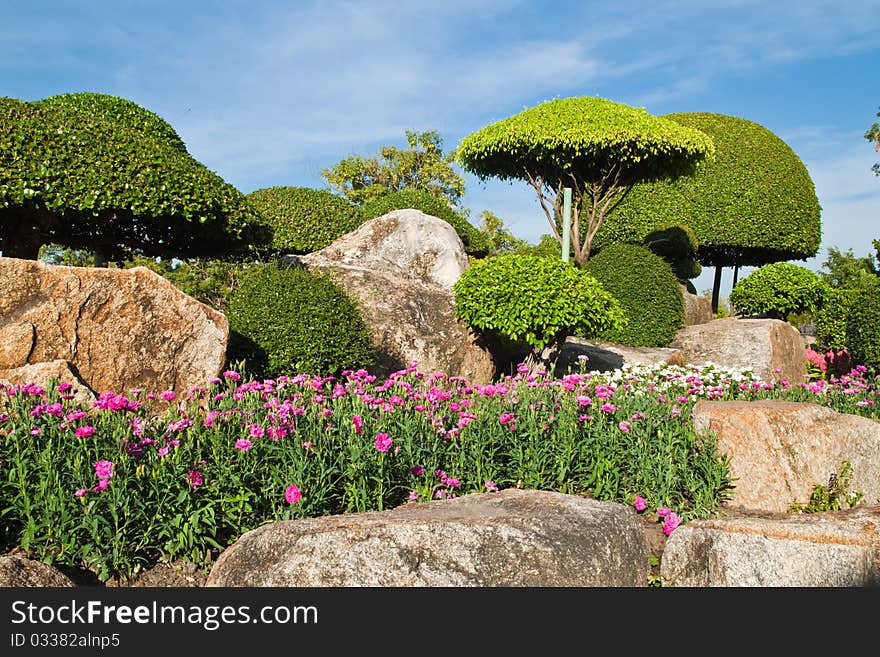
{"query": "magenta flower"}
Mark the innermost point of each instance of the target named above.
(672, 521)
(607, 407)
(257, 431)
(413, 495)
(81, 492)
(452, 482)
(104, 469)
(167, 395)
(383, 442)
(163, 451)
(358, 423)
(101, 485)
(624, 426)
(640, 503)
(243, 444)
(491, 486)
(417, 470)
(663, 511)
(230, 374)
(292, 494)
(85, 431)
(195, 479)
(504, 418)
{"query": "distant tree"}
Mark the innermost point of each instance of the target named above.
(596, 147)
(501, 239)
(873, 135)
(421, 166)
(100, 173)
(753, 205)
(845, 270)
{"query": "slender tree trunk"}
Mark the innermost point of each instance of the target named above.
(735, 274)
(716, 289)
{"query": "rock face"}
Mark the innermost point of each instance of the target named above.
(403, 243)
(41, 373)
(697, 308)
(18, 572)
(510, 538)
(118, 328)
(401, 278)
(824, 549)
(778, 451)
(771, 348)
(605, 356)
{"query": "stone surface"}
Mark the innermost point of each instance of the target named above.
(509, 538)
(778, 451)
(19, 572)
(771, 348)
(41, 373)
(836, 549)
(119, 328)
(605, 356)
(697, 308)
(402, 243)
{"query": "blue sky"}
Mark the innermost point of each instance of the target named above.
(270, 93)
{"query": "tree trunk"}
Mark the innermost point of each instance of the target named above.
(716, 289)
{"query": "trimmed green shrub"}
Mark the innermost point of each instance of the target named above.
(647, 290)
(476, 243)
(754, 204)
(677, 245)
(831, 316)
(302, 219)
(776, 290)
(863, 329)
(533, 301)
(289, 320)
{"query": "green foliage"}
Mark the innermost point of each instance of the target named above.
(873, 135)
(647, 290)
(421, 166)
(777, 290)
(845, 270)
(830, 317)
(862, 334)
(755, 203)
(476, 242)
(208, 281)
(547, 247)
(532, 300)
(678, 246)
(303, 219)
(97, 172)
(833, 497)
(597, 147)
(289, 320)
(501, 240)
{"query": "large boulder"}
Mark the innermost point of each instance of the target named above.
(839, 548)
(770, 348)
(697, 308)
(400, 268)
(779, 451)
(404, 243)
(42, 373)
(18, 571)
(118, 328)
(509, 538)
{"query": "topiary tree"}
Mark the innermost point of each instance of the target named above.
(862, 336)
(647, 290)
(289, 320)
(777, 290)
(97, 172)
(754, 204)
(476, 243)
(678, 246)
(534, 302)
(304, 220)
(596, 147)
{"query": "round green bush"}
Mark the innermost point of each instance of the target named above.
(302, 219)
(647, 290)
(476, 243)
(289, 320)
(776, 290)
(533, 300)
(862, 332)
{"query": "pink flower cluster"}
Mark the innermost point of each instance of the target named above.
(670, 519)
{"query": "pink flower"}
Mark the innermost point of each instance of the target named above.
(81, 492)
(101, 485)
(163, 451)
(276, 433)
(452, 482)
(663, 511)
(230, 374)
(104, 469)
(195, 479)
(85, 431)
(607, 408)
(292, 494)
(640, 503)
(417, 470)
(358, 423)
(491, 486)
(413, 496)
(167, 395)
(624, 426)
(383, 442)
(36, 431)
(243, 444)
(672, 521)
(504, 418)
(257, 431)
